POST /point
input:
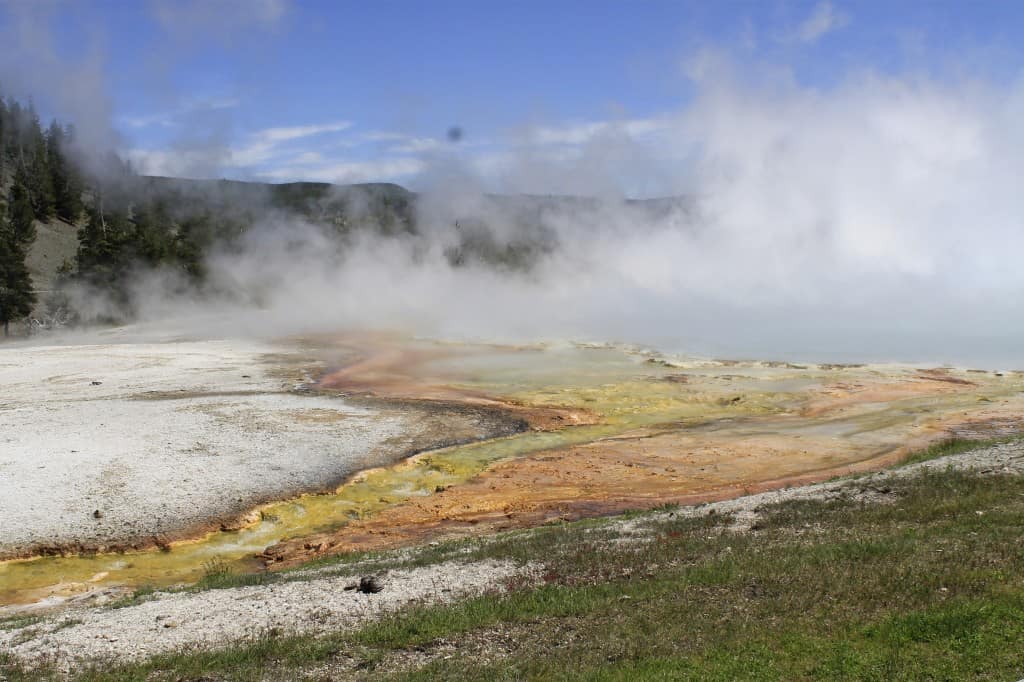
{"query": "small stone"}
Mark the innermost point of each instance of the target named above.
(170, 624)
(370, 585)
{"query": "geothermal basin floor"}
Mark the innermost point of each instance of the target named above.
(112, 447)
(127, 445)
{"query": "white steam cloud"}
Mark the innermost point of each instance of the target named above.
(75, 89)
(876, 218)
(879, 219)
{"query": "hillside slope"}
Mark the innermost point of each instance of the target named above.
(175, 223)
(56, 241)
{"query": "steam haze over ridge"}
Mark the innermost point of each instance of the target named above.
(873, 216)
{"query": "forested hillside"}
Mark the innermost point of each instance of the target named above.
(68, 222)
(75, 222)
(40, 182)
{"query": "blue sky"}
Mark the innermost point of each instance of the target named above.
(354, 91)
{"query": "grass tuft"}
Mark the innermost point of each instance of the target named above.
(141, 594)
(218, 575)
(18, 622)
(954, 446)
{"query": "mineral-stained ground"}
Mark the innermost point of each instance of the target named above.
(186, 452)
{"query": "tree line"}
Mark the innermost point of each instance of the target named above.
(127, 224)
(121, 226)
(40, 181)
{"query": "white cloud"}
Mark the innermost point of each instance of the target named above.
(276, 135)
(200, 162)
(191, 19)
(205, 158)
(308, 158)
(263, 145)
(164, 119)
(342, 172)
(416, 145)
(383, 136)
(823, 19)
(306, 152)
(581, 133)
(172, 118)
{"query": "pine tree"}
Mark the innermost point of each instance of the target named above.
(188, 250)
(107, 254)
(20, 214)
(16, 294)
(150, 242)
(67, 192)
(5, 123)
(13, 130)
(37, 168)
(93, 245)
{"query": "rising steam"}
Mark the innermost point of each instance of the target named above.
(876, 219)
(879, 217)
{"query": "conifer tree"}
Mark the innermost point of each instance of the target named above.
(4, 125)
(93, 246)
(67, 192)
(36, 166)
(12, 131)
(16, 294)
(20, 214)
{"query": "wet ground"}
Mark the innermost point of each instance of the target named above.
(547, 432)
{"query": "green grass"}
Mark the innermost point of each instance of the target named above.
(18, 622)
(67, 623)
(923, 589)
(218, 575)
(953, 446)
(927, 586)
(138, 596)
